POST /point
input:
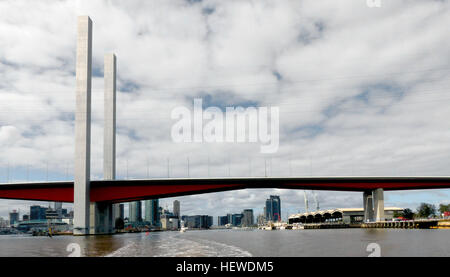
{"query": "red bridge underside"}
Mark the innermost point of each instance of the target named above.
(116, 191)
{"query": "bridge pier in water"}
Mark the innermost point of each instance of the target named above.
(101, 218)
(373, 203)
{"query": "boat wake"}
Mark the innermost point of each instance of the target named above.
(176, 246)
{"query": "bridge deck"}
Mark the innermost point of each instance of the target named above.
(140, 189)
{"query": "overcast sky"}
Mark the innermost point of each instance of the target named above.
(361, 91)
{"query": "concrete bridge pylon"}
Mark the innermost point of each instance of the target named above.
(92, 217)
(81, 222)
(373, 203)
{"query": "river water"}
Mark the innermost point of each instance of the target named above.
(237, 243)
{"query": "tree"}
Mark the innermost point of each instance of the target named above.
(408, 214)
(119, 223)
(426, 210)
(444, 208)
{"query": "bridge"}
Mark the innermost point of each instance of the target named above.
(117, 191)
(95, 200)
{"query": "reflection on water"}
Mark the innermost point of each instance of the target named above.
(238, 243)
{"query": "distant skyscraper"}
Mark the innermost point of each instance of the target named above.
(260, 219)
(37, 212)
(230, 218)
(152, 212)
(273, 208)
(198, 221)
(147, 210)
(13, 217)
(222, 220)
(135, 211)
(247, 219)
(176, 208)
(121, 211)
(58, 209)
(236, 219)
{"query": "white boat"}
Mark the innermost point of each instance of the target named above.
(183, 229)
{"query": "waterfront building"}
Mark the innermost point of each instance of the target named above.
(345, 215)
(260, 220)
(3, 222)
(121, 211)
(135, 211)
(247, 219)
(37, 212)
(64, 212)
(236, 219)
(147, 210)
(58, 209)
(51, 214)
(176, 208)
(57, 224)
(25, 217)
(13, 217)
(152, 213)
(222, 220)
(174, 222)
(209, 221)
(230, 218)
(165, 223)
(198, 221)
(273, 208)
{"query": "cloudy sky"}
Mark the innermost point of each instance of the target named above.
(360, 90)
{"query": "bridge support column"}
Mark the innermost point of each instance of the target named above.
(116, 214)
(101, 218)
(81, 197)
(368, 206)
(378, 197)
(102, 214)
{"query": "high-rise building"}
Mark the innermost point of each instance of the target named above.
(121, 211)
(64, 212)
(236, 219)
(147, 210)
(247, 219)
(176, 208)
(135, 210)
(273, 208)
(198, 221)
(222, 220)
(229, 219)
(13, 217)
(37, 212)
(58, 209)
(260, 220)
(3, 223)
(152, 214)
